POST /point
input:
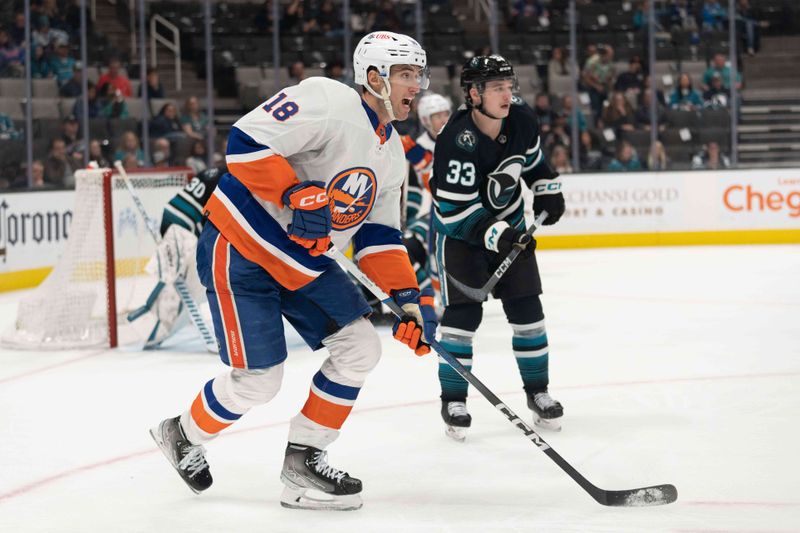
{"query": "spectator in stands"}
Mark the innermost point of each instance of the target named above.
(680, 16)
(558, 66)
(591, 157)
(643, 112)
(37, 174)
(559, 160)
(129, 146)
(335, 71)
(17, 30)
(7, 129)
(114, 105)
(297, 72)
(131, 162)
(12, 57)
(95, 105)
(193, 121)
(618, 114)
(160, 159)
(657, 158)
(45, 36)
(62, 65)
(153, 85)
(329, 20)
(165, 147)
(566, 108)
(73, 87)
(632, 80)
(524, 14)
(96, 154)
(40, 65)
(544, 112)
(58, 168)
(660, 96)
(717, 96)
(115, 77)
(558, 135)
(69, 134)
(293, 20)
(711, 158)
(72, 17)
(197, 158)
(598, 76)
(626, 158)
(748, 27)
(387, 17)
(713, 15)
(166, 123)
(684, 96)
(263, 19)
(720, 65)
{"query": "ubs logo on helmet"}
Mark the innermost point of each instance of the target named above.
(352, 194)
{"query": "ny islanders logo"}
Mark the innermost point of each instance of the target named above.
(352, 193)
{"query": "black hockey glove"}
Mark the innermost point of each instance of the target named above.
(513, 238)
(547, 196)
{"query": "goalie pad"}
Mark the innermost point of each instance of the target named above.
(173, 261)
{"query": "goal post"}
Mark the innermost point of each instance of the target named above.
(100, 275)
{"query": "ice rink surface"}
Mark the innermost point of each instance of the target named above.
(675, 365)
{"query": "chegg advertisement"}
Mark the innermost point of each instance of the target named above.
(656, 208)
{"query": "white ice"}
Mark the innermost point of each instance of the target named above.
(675, 365)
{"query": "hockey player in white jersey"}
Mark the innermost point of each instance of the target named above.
(316, 163)
(433, 111)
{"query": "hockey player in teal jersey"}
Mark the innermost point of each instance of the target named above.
(181, 223)
(484, 156)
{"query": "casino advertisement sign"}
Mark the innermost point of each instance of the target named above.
(693, 207)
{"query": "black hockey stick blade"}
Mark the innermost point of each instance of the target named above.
(480, 295)
(644, 497)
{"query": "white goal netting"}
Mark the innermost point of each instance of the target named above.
(82, 300)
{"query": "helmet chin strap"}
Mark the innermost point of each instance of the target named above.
(384, 96)
(480, 109)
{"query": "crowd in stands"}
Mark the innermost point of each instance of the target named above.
(615, 103)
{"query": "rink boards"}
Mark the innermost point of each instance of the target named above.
(611, 209)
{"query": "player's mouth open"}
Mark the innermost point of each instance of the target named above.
(407, 102)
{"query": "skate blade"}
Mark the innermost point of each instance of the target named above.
(551, 424)
(300, 499)
(156, 434)
(458, 434)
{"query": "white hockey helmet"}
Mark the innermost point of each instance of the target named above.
(382, 49)
(430, 104)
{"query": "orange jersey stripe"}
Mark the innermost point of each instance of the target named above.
(230, 322)
(325, 413)
(390, 269)
(246, 245)
(266, 178)
(204, 420)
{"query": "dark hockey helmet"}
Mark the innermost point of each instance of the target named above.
(480, 69)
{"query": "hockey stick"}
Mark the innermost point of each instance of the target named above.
(480, 295)
(640, 497)
(180, 286)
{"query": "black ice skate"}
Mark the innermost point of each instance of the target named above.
(188, 459)
(306, 468)
(457, 418)
(547, 412)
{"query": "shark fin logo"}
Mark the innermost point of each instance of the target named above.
(352, 193)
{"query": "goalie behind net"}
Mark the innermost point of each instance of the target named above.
(83, 300)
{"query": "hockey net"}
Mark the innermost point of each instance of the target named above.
(100, 276)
